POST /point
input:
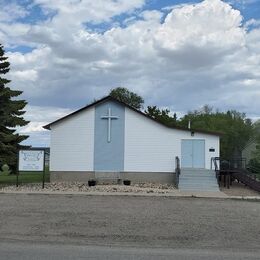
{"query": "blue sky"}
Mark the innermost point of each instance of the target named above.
(176, 54)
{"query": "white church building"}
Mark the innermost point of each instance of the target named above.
(110, 137)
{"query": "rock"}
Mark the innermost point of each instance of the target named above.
(82, 187)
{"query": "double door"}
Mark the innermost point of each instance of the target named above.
(193, 153)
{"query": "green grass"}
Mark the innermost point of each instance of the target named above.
(25, 177)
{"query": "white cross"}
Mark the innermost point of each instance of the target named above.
(109, 118)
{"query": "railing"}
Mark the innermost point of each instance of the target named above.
(231, 164)
(215, 164)
(177, 170)
(236, 168)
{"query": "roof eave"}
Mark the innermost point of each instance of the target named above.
(48, 126)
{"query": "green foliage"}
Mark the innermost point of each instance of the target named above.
(5, 170)
(128, 97)
(254, 165)
(236, 128)
(256, 153)
(162, 115)
(11, 112)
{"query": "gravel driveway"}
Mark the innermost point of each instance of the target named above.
(130, 221)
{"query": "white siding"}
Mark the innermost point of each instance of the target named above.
(151, 147)
(72, 143)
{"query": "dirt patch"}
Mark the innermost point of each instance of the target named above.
(239, 189)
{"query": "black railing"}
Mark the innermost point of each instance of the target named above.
(236, 168)
(218, 163)
(215, 164)
(177, 170)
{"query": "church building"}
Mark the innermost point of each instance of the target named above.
(109, 137)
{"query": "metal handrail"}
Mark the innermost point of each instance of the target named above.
(177, 170)
(214, 161)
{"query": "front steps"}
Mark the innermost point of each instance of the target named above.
(198, 180)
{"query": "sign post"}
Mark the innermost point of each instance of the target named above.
(32, 161)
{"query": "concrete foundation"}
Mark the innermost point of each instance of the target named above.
(64, 176)
(135, 177)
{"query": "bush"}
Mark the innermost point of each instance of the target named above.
(5, 170)
(254, 165)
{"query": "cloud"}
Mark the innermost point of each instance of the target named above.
(198, 54)
(11, 11)
(38, 117)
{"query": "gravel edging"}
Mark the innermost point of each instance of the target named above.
(143, 189)
(84, 188)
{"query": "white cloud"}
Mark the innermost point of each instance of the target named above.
(11, 11)
(25, 75)
(38, 117)
(200, 54)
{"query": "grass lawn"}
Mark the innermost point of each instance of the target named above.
(25, 177)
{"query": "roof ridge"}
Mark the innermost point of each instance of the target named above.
(109, 97)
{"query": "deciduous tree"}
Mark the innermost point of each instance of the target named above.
(128, 97)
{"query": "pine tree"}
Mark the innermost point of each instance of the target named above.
(11, 111)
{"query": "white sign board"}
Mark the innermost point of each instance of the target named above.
(31, 160)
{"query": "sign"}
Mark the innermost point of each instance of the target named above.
(31, 160)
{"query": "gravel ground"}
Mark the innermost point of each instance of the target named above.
(130, 221)
(239, 189)
(81, 187)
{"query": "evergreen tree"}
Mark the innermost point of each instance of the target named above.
(11, 111)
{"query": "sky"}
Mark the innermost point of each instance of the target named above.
(174, 53)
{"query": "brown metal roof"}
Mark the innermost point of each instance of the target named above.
(107, 98)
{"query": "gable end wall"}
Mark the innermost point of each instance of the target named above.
(72, 143)
(151, 147)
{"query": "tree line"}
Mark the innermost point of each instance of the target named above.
(235, 127)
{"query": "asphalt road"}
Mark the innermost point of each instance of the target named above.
(119, 227)
(26, 251)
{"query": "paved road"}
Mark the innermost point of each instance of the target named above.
(73, 227)
(26, 251)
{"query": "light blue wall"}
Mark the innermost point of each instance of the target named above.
(109, 156)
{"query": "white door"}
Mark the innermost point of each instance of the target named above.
(193, 153)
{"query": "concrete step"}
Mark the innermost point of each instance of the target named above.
(198, 190)
(184, 177)
(212, 184)
(197, 176)
(198, 173)
(195, 170)
(198, 180)
(199, 187)
(207, 187)
(197, 183)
